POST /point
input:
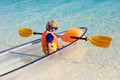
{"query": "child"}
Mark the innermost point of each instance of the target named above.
(50, 41)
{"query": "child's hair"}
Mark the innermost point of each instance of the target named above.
(51, 23)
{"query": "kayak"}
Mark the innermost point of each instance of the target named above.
(27, 54)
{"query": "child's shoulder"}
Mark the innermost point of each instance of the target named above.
(49, 35)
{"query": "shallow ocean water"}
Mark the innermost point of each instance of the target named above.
(101, 17)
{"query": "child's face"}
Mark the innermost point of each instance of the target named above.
(53, 29)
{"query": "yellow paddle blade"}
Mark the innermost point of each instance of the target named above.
(100, 41)
(25, 32)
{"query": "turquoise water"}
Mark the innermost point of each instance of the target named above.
(101, 17)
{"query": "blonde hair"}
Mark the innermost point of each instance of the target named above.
(51, 23)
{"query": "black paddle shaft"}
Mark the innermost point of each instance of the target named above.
(79, 38)
(37, 33)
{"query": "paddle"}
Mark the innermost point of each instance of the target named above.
(100, 41)
(26, 32)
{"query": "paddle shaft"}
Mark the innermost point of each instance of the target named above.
(79, 38)
(37, 33)
(70, 36)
